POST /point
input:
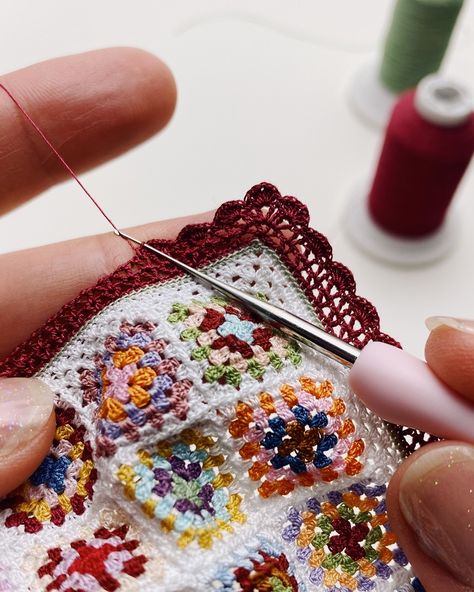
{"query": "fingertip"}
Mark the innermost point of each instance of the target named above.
(18, 466)
(131, 95)
(92, 106)
(449, 352)
(437, 511)
(150, 87)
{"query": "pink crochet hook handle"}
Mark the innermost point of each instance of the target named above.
(403, 389)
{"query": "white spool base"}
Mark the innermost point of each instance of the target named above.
(385, 247)
(369, 99)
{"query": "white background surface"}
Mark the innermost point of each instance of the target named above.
(262, 96)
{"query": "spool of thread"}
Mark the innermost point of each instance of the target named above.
(417, 40)
(428, 145)
(415, 45)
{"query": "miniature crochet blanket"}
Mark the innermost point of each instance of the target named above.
(198, 449)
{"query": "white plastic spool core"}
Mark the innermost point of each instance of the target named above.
(442, 101)
(369, 98)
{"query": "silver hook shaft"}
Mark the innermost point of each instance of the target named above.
(292, 325)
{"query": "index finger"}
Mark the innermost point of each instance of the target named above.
(92, 106)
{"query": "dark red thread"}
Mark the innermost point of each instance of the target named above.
(58, 155)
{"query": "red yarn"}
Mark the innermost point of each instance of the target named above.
(212, 320)
(420, 167)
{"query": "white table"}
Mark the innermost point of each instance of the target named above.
(262, 96)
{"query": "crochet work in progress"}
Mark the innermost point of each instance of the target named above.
(197, 448)
(95, 564)
(134, 384)
(181, 486)
(344, 539)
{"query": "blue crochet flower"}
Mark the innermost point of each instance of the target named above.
(243, 330)
(52, 473)
(296, 445)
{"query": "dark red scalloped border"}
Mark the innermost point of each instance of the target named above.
(279, 222)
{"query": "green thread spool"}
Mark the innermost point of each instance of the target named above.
(417, 41)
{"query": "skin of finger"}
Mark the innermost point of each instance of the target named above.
(92, 106)
(433, 577)
(450, 354)
(17, 467)
(48, 277)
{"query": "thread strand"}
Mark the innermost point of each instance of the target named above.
(58, 156)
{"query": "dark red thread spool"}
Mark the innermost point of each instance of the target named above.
(428, 145)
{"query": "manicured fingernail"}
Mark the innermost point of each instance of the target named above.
(25, 407)
(465, 325)
(437, 501)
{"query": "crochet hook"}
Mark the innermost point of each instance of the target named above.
(289, 323)
(395, 385)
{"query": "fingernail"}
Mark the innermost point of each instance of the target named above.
(437, 501)
(465, 325)
(25, 407)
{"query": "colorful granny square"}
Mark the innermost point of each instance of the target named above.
(94, 565)
(134, 385)
(181, 484)
(301, 438)
(344, 539)
(232, 342)
(63, 482)
(265, 569)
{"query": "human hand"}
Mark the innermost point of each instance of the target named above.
(431, 497)
(92, 106)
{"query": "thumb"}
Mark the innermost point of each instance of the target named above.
(449, 352)
(431, 508)
(431, 496)
(27, 425)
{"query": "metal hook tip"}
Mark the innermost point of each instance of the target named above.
(128, 237)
